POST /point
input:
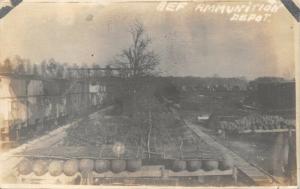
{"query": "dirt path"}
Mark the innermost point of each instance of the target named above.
(250, 171)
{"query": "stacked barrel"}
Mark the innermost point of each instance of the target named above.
(206, 165)
(256, 122)
(71, 167)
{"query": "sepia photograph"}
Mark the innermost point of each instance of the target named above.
(148, 93)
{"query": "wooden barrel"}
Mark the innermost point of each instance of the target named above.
(40, 167)
(226, 163)
(86, 165)
(133, 165)
(55, 168)
(102, 166)
(118, 165)
(178, 165)
(209, 165)
(194, 165)
(71, 167)
(25, 167)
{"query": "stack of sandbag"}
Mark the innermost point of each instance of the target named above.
(255, 122)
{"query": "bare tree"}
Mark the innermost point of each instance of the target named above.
(35, 70)
(7, 66)
(137, 59)
(28, 66)
(21, 68)
(52, 67)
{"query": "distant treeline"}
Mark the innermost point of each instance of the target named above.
(54, 69)
(210, 83)
(222, 83)
(49, 68)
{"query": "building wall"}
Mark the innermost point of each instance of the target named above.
(32, 103)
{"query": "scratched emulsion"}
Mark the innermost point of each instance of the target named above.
(228, 48)
(251, 38)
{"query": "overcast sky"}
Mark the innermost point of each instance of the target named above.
(188, 42)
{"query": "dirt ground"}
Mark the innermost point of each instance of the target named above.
(257, 149)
